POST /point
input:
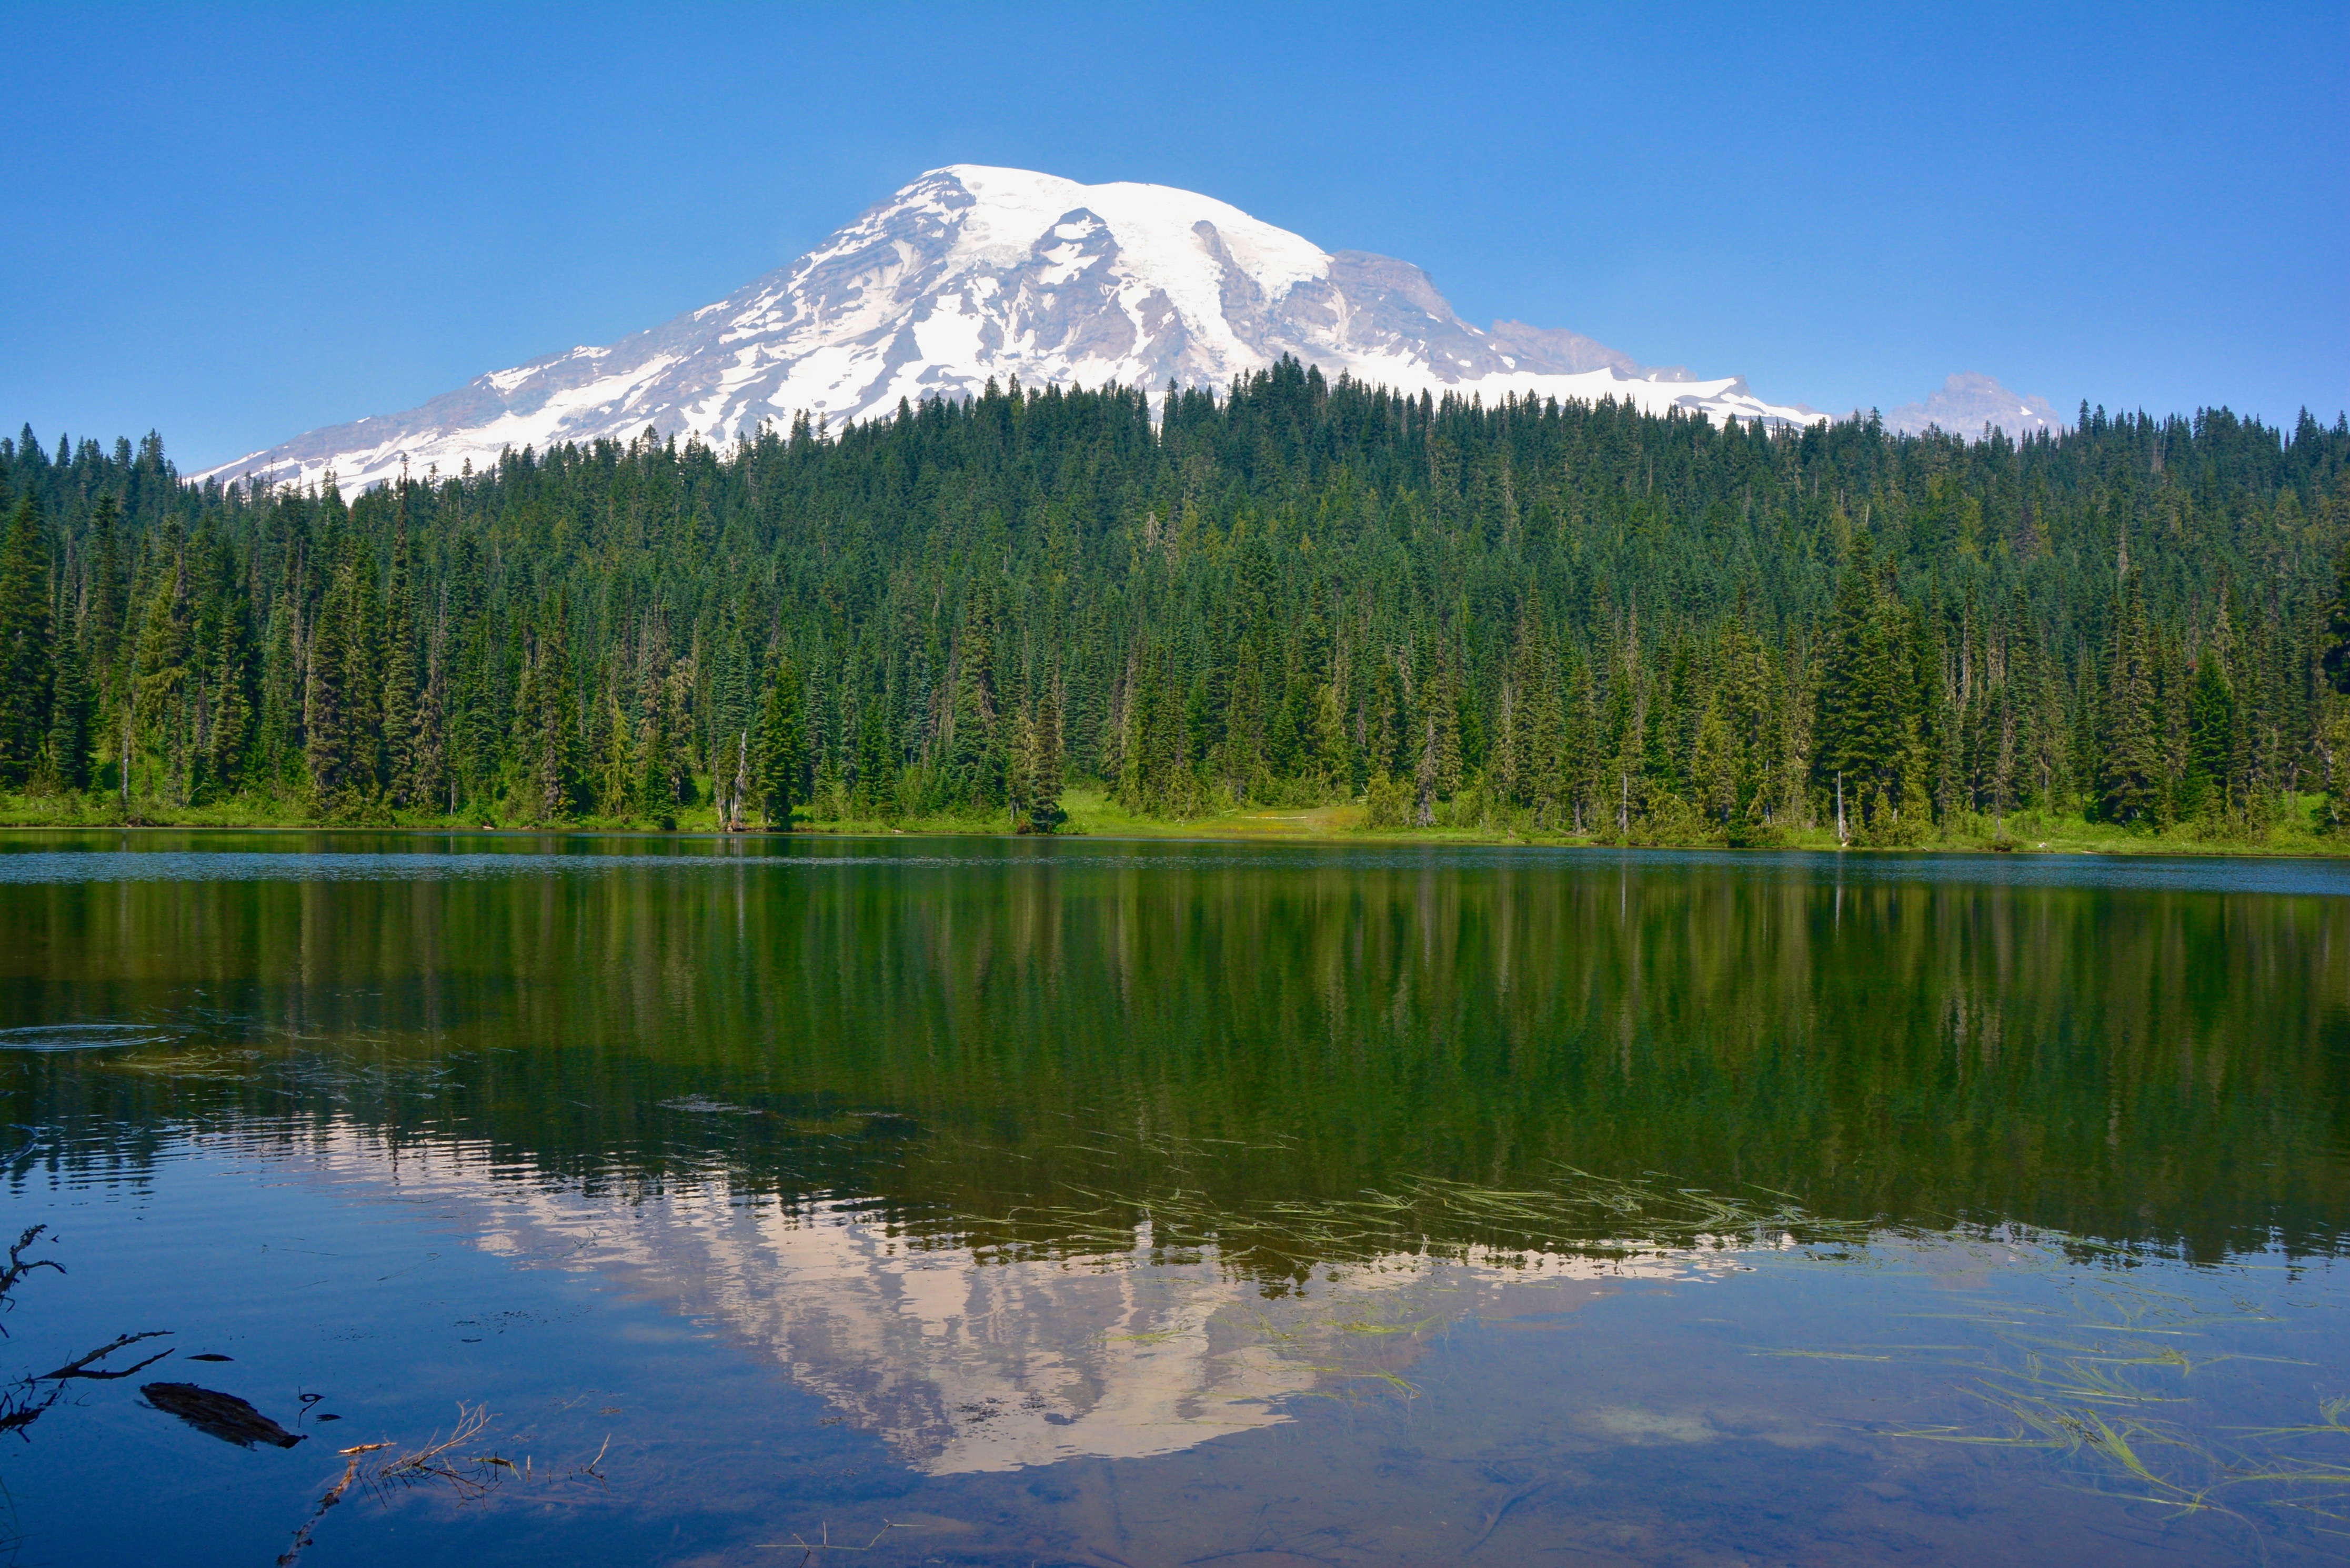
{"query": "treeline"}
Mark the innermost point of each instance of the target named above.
(1568, 618)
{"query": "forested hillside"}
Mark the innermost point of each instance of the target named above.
(1551, 619)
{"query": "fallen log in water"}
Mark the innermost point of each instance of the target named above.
(224, 1416)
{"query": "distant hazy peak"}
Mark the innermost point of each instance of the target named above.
(1968, 403)
(1557, 347)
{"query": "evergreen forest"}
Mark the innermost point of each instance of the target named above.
(1528, 619)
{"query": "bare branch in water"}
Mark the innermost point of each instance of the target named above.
(22, 1402)
(432, 1463)
(19, 1407)
(811, 1550)
(19, 1265)
(474, 1477)
(302, 1537)
(80, 1366)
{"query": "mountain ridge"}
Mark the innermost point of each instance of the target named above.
(972, 273)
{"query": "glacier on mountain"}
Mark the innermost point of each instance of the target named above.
(974, 273)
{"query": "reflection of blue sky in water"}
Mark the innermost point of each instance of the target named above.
(24, 862)
(82, 1037)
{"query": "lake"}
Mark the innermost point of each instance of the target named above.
(913, 1200)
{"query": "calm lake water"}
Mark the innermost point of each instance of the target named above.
(1108, 1203)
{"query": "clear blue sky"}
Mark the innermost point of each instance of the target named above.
(233, 224)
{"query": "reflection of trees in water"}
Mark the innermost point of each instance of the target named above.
(955, 1041)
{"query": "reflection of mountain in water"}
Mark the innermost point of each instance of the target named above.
(970, 1360)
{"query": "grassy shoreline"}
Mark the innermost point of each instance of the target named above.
(1091, 814)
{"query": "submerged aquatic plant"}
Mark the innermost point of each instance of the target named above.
(2105, 1389)
(1576, 1213)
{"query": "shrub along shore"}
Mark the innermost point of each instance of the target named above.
(1091, 810)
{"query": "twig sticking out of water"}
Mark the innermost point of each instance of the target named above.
(810, 1550)
(472, 1477)
(432, 1463)
(303, 1536)
(19, 1265)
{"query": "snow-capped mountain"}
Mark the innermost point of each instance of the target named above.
(975, 273)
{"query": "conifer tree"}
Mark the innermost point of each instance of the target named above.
(1044, 764)
(2338, 627)
(1541, 724)
(401, 670)
(333, 715)
(1714, 769)
(229, 738)
(1580, 750)
(875, 764)
(1019, 768)
(2132, 764)
(554, 723)
(1423, 775)
(1332, 754)
(779, 762)
(24, 635)
(1850, 734)
(611, 755)
(104, 613)
(1444, 708)
(2210, 731)
(159, 673)
(71, 712)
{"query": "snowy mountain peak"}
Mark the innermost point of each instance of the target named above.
(973, 272)
(1006, 212)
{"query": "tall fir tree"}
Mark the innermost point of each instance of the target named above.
(1044, 764)
(2130, 755)
(72, 710)
(25, 632)
(779, 762)
(402, 671)
(334, 710)
(229, 734)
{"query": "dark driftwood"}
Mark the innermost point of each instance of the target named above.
(224, 1416)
